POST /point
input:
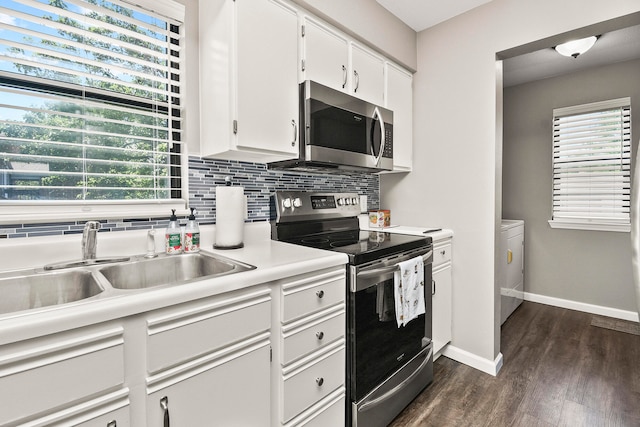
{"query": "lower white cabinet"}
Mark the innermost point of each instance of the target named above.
(75, 377)
(309, 370)
(441, 294)
(210, 361)
(230, 390)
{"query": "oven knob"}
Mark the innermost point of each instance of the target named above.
(347, 201)
(297, 202)
(340, 202)
(286, 203)
(354, 201)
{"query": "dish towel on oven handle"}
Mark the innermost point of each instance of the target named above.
(409, 290)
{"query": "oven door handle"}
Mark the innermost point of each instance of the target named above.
(388, 269)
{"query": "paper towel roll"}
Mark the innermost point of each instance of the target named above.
(231, 211)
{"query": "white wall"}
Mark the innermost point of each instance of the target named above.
(456, 177)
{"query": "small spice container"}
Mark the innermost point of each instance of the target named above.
(380, 218)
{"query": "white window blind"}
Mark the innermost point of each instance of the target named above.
(592, 166)
(90, 102)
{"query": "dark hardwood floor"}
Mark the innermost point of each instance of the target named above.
(558, 370)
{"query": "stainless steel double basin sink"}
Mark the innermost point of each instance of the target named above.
(80, 280)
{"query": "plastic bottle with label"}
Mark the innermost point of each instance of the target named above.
(173, 235)
(192, 234)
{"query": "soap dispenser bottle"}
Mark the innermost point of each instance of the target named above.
(192, 234)
(173, 235)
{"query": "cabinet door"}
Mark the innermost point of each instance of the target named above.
(326, 56)
(367, 75)
(441, 308)
(233, 392)
(399, 98)
(267, 86)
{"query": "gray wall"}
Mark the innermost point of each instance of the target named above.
(592, 267)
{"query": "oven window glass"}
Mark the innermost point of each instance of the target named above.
(380, 347)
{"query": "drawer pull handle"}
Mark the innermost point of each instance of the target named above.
(164, 404)
(112, 423)
(443, 252)
(320, 335)
(320, 293)
(320, 381)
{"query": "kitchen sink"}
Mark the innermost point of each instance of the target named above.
(37, 289)
(140, 272)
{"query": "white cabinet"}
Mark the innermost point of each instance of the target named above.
(210, 361)
(248, 80)
(309, 374)
(70, 378)
(332, 59)
(325, 55)
(367, 74)
(441, 294)
(511, 263)
(399, 99)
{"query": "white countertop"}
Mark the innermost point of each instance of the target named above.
(273, 261)
(436, 233)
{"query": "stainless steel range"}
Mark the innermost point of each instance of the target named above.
(387, 365)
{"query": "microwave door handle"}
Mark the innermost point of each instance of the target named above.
(376, 113)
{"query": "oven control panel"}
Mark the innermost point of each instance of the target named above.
(302, 205)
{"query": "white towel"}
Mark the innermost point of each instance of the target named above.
(409, 290)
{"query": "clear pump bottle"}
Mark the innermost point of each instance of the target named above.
(173, 235)
(192, 234)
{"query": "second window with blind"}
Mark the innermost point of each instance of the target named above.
(592, 166)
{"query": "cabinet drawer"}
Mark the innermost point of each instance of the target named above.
(195, 329)
(327, 412)
(441, 254)
(310, 383)
(45, 374)
(307, 297)
(310, 334)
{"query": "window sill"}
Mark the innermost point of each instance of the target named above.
(591, 226)
(23, 213)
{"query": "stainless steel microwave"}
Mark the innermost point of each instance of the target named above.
(339, 131)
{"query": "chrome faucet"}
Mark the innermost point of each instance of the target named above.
(89, 239)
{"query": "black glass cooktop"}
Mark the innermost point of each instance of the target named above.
(362, 246)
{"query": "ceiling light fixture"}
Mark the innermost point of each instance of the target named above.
(576, 47)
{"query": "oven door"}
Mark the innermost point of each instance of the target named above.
(378, 348)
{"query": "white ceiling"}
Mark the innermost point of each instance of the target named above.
(421, 14)
(615, 46)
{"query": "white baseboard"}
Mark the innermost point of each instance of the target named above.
(581, 306)
(485, 365)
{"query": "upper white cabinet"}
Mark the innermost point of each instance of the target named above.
(248, 80)
(367, 74)
(333, 60)
(399, 99)
(325, 55)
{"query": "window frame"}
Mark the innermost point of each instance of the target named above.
(592, 224)
(30, 211)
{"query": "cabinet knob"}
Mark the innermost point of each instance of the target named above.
(112, 423)
(320, 335)
(320, 381)
(443, 252)
(320, 293)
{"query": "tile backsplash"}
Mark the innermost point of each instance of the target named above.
(204, 175)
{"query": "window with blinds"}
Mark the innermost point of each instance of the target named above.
(90, 102)
(592, 166)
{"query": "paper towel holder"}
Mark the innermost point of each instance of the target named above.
(240, 244)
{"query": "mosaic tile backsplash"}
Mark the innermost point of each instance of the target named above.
(204, 175)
